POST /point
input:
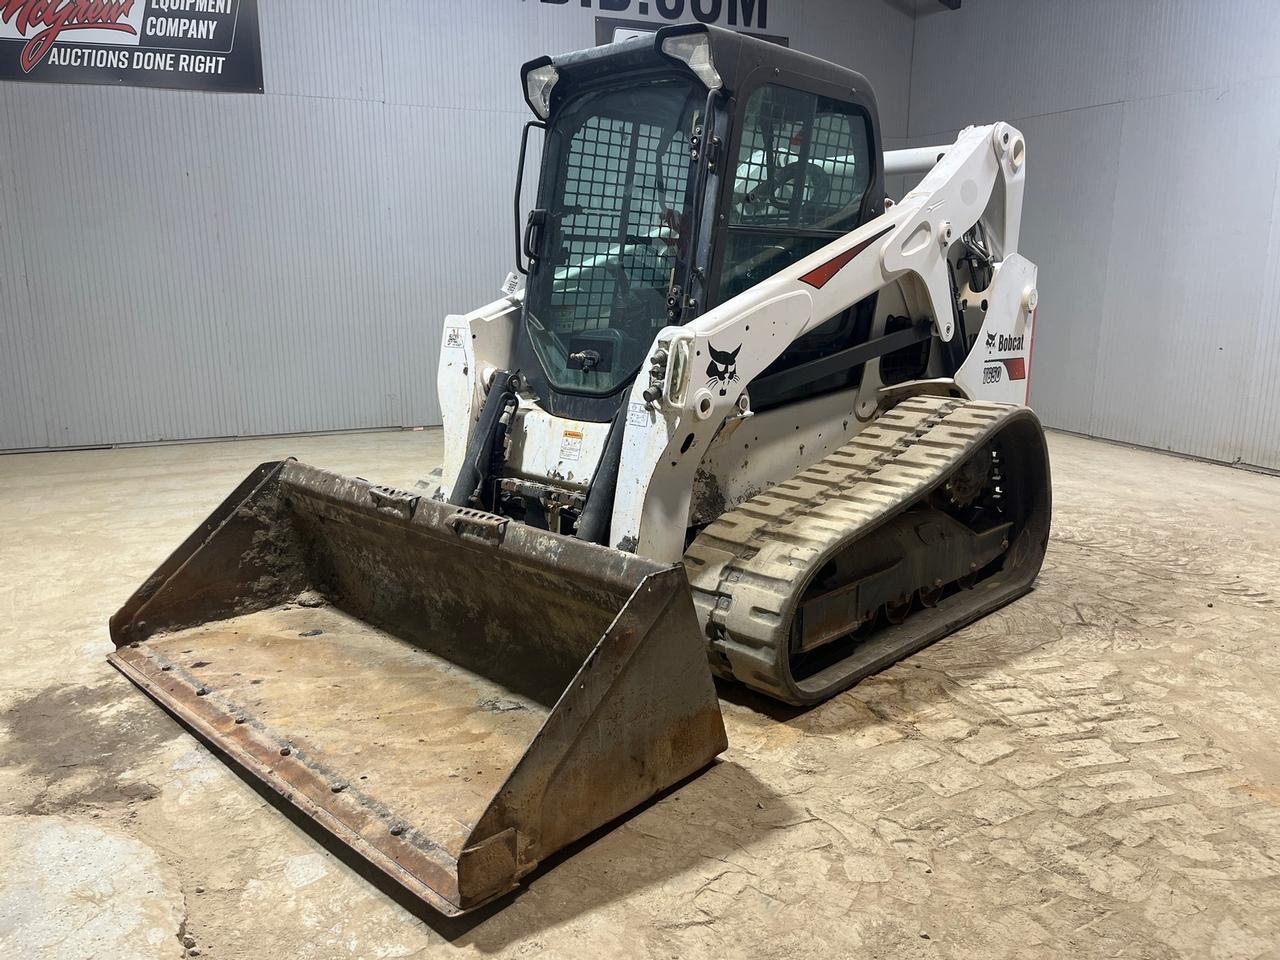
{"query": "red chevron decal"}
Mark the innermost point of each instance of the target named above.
(818, 278)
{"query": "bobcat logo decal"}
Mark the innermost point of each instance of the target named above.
(991, 342)
(723, 368)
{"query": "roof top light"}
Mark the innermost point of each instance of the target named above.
(537, 87)
(694, 49)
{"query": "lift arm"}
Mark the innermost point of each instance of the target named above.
(701, 370)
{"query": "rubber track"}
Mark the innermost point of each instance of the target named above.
(748, 568)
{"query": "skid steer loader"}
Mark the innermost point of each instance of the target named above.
(745, 413)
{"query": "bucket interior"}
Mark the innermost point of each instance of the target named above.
(389, 724)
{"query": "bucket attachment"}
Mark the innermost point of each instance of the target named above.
(452, 696)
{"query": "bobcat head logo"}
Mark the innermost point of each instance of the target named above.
(991, 341)
(723, 368)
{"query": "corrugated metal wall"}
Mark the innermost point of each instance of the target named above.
(1153, 152)
(178, 265)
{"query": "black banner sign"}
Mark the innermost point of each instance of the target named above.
(189, 44)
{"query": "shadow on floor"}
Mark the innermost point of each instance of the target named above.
(704, 817)
(707, 818)
(712, 816)
(655, 842)
(775, 710)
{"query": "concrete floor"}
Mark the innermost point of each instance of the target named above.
(1092, 771)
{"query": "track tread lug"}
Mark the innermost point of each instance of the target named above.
(749, 566)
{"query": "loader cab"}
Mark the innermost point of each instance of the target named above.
(677, 171)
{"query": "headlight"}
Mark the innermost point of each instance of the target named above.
(537, 85)
(678, 377)
(695, 50)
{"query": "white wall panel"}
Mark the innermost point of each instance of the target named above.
(112, 227)
(1005, 59)
(325, 49)
(177, 265)
(479, 45)
(448, 248)
(304, 305)
(1072, 164)
(996, 59)
(1184, 45)
(1259, 424)
(22, 380)
(874, 37)
(229, 289)
(1187, 261)
(1153, 131)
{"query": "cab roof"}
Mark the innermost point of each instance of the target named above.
(735, 56)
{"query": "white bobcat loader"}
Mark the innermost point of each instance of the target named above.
(745, 413)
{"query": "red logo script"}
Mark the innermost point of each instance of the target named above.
(51, 17)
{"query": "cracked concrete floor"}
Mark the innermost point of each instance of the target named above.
(1091, 771)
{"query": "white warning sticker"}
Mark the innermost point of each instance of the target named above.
(571, 445)
(455, 336)
(637, 415)
(510, 285)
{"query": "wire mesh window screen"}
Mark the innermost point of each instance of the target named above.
(803, 161)
(803, 168)
(802, 174)
(615, 188)
(624, 201)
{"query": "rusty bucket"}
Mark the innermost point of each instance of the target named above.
(452, 696)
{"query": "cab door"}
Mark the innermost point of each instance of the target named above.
(803, 170)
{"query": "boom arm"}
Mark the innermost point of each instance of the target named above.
(703, 367)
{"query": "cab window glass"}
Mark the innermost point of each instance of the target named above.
(616, 190)
(803, 162)
(801, 175)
